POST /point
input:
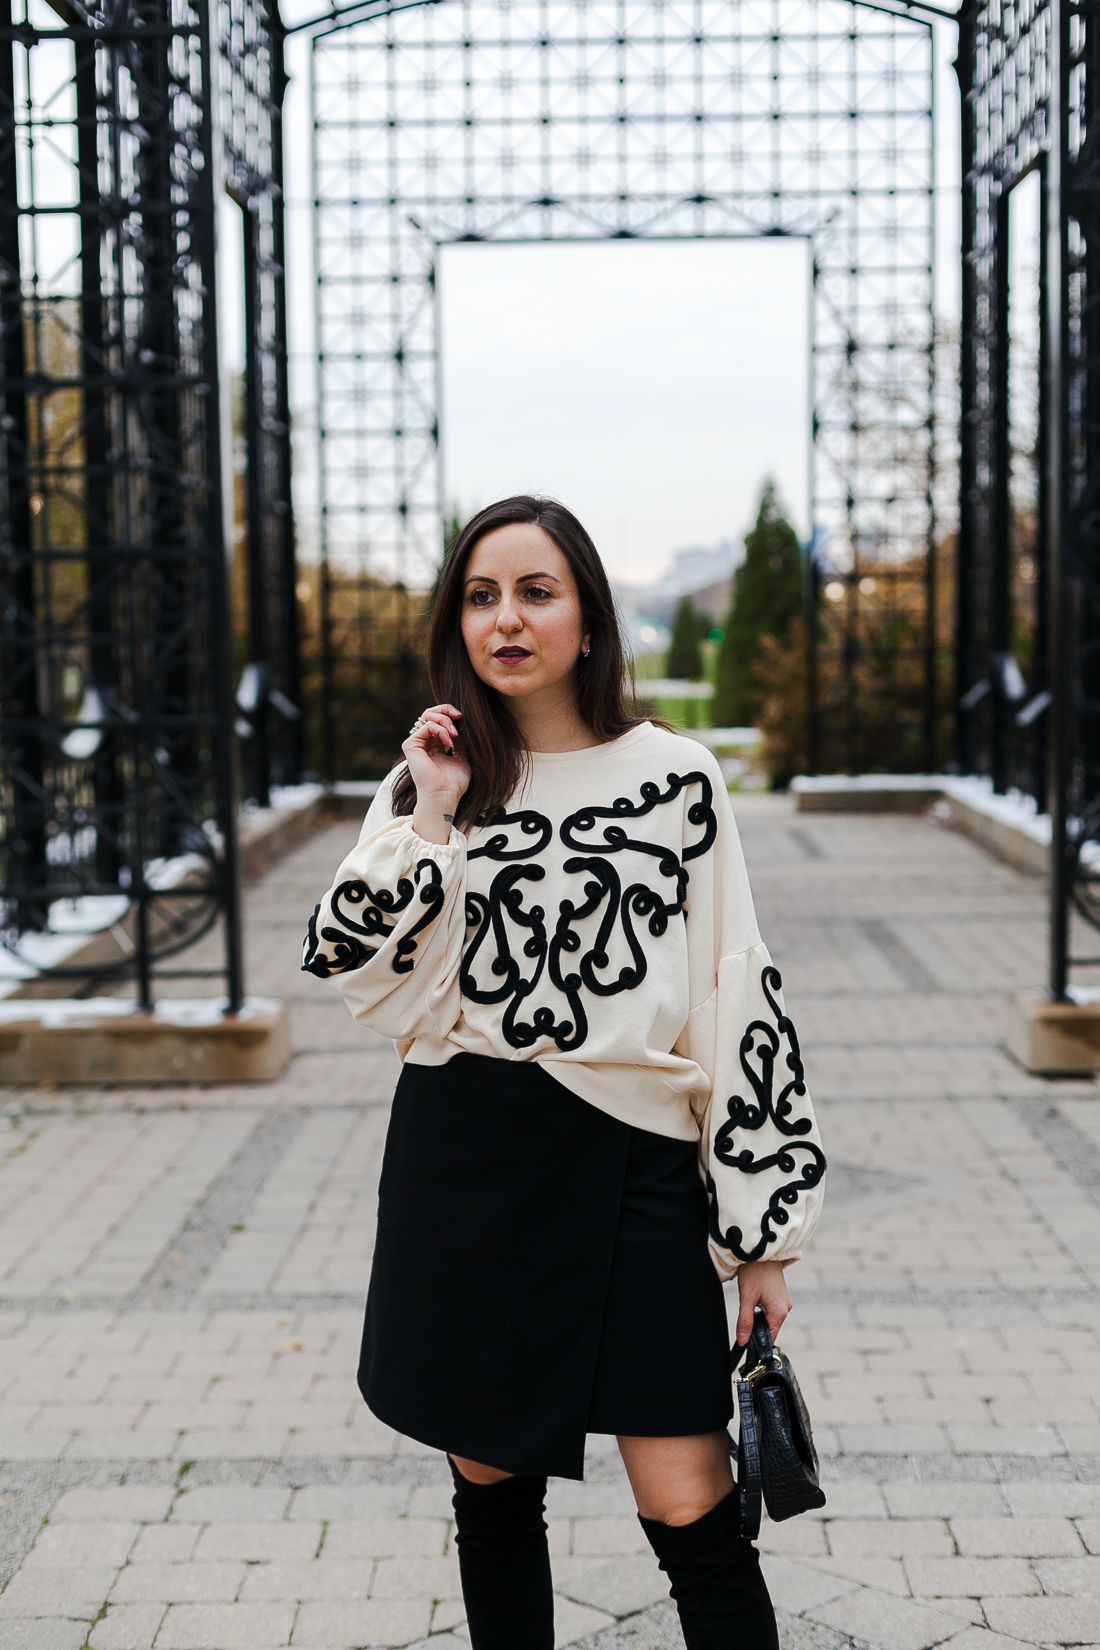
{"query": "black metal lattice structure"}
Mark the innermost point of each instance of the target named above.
(252, 87)
(116, 691)
(1031, 95)
(497, 120)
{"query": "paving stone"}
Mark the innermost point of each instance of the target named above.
(796, 1587)
(852, 1500)
(608, 1537)
(619, 1588)
(1045, 1620)
(66, 1544)
(415, 1578)
(797, 1538)
(1080, 1577)
(384, 1538)
(230, 1446)
(167, 1544)
(333, 1578)
(574, 1623)
(945, 1500)
(1006, 1440)
(1061, 1500)
(33, 1446)
(447, 1613)
(890, 1538)
(884, 1575)
(231, 1504)
(127, 1627)
(226, 1627)
(78, 1591)
(341, 1501)
(120, 1446)
(178, 1583)
(971, 1577)
(568, 1499)
(434, 1501)
(259, 1542)
(886, 1622)
(1015, 1537)
(980, 1638)
(45, 1633)
(351, 1622)
(1089, 1531)
(883, 1440)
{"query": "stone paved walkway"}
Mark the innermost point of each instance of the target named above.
(187, 1464)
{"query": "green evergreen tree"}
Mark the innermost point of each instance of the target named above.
(685, 662)
(767, 596)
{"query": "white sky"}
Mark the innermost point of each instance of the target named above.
(580, 370)
(648, 385)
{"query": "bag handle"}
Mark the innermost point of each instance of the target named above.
(749, 1479)
(758, 1349)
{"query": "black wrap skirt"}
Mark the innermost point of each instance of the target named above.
(541, 1272)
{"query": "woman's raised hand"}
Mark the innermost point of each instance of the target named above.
(439, 770)
(762, 1283)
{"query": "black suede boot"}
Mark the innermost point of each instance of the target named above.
(715, 1574)
(504, 1562)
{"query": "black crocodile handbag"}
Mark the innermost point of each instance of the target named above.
(775, 1456)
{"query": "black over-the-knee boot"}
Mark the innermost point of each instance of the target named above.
(504, 1562)
(716, 1581)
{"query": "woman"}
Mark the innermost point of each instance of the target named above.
(548, 910)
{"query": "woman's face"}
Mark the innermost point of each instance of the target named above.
(521, 614)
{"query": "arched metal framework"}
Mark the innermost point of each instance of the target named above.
(116, 692)
(496, 120)
(1031, 96)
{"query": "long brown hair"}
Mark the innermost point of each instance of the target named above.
(491, 740)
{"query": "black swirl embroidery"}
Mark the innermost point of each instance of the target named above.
(616, 839)
(764, 1042)
(348, 951)
(531, 824)
(558, 958)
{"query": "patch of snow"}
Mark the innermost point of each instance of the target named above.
(55, 1013)
(162, 875)
(869, 782)
(88, 913)
(295, 796)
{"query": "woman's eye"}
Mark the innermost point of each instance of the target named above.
(539, 592)
(481, 598)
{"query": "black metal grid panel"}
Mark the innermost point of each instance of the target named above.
(115, 690)
(1032, 82)
(578, 119)
(1004, 69)
(252, 84)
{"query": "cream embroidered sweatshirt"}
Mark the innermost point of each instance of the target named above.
(602, 925)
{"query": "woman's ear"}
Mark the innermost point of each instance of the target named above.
(584, 646)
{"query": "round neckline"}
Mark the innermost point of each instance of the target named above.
(625, 741)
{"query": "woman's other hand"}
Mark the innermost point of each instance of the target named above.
(762, 1283)
(439, 770)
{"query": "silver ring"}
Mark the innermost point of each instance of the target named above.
(419, 723)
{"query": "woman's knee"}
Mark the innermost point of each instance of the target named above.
(475, 1472)
(677, 1480)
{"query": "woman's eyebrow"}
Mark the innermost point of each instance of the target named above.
(485, 578)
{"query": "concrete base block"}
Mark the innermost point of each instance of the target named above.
(1054, 1039)
(104, 1040)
